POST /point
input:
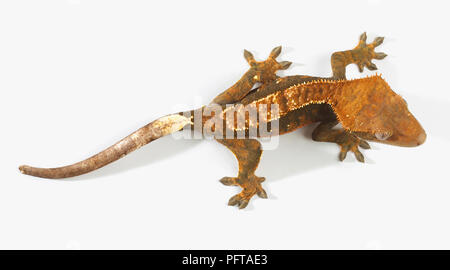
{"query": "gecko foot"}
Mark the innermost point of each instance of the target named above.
(264, 71)
(363, 53)
(349, 142)
(250, 185)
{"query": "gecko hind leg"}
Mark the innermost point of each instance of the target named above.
(324, 132)
(248, 153)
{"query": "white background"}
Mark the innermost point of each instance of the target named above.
(77, 75)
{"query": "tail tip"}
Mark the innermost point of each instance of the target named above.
(23, 168)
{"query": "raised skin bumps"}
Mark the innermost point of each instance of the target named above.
(366, 108)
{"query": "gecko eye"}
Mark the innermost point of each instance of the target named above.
(382, 135)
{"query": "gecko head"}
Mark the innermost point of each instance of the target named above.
(384, 117)
(400, 128)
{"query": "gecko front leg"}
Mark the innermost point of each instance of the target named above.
(259, 72)
(324, 132)
(361, 55)
(248, 153)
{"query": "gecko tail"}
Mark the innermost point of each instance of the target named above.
(152, 131)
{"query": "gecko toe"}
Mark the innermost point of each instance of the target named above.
(371, 66)
(243, 204)
(262, 193)
(342, 155)
(275, 52)
(239, 200)
(364, 145)
(377, 41)
(234, 200)
(359, 156)
(363, 37)
(284, 64)
(228, 181)
(380, 55)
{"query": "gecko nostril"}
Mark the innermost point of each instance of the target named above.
(421, 138)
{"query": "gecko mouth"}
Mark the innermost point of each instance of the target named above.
(407, 141)
(417, 137)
